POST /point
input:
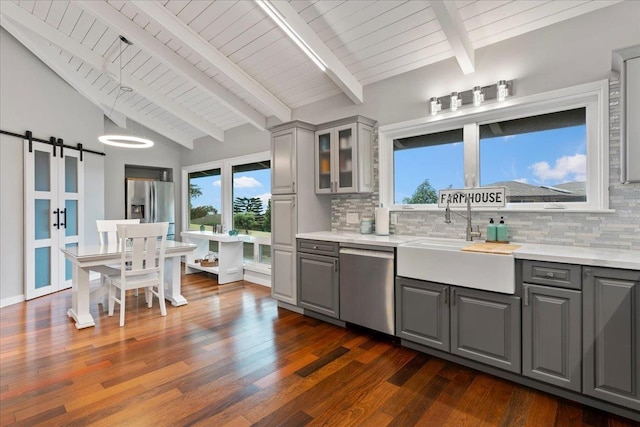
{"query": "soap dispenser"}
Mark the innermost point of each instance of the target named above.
(492, 231)
(501, 231)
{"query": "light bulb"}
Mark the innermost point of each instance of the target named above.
(434, 106)
(503, 90)
(455, 101)
(478, 96)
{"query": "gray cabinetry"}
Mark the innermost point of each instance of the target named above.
(611, 339)
(485, 327)
(422, 313)
(344, 156)
(295, 206)
(478, 325)
(552, 335)
(318, 277)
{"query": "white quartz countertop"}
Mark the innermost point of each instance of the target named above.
(392, 240)
(592, 256)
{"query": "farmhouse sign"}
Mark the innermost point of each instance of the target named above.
(489, 197)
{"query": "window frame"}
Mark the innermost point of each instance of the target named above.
(226, 178)
(593, 96)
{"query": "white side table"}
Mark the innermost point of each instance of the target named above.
(229, 267)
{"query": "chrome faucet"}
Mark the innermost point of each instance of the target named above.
(447, 217)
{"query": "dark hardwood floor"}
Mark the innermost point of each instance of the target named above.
(231, 357)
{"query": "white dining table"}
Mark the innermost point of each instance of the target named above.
(84, 257)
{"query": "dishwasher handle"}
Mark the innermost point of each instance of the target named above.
(367, 253)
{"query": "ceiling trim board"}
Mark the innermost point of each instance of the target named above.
(336, 70)
(181, 31)
(83, 53)
(156, 48)
(449, 17)
(40, 48)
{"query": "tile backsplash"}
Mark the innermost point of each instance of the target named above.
(617, 229)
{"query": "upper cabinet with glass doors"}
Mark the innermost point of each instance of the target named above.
(344, 156)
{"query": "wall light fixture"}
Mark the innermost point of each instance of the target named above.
(472, 97)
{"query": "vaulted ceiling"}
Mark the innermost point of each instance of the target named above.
(201, 67)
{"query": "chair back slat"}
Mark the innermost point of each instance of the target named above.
(108, 230)
(143, 245)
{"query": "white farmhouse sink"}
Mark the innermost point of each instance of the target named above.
(443, 261)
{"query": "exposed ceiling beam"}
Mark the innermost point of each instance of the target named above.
(181, 31)
(447, 14)
(42, 49)
(86, 55)
(336, 70)
(141, 38)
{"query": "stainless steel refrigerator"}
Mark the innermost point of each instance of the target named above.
(151, 201)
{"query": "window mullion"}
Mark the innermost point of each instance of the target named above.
(471, 136)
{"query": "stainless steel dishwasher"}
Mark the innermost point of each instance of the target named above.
(366, 287)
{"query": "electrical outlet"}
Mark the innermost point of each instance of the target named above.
(352, 217)
(394, 218)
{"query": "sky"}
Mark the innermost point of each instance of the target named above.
(246, 184)
(538, 158)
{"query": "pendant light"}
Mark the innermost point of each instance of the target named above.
(124, 141)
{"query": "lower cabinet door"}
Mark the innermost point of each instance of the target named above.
(611, 315)
(283, 275)
(422, 312)
(318, 284)
(485, 327)
(552, 335)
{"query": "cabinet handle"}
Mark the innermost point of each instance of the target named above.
(526, 295)
(293, 187)
(588, 272)
(63, 211)
(453, 296)
(335, 265)
(445, 292)
(549, 274)
(57, 223)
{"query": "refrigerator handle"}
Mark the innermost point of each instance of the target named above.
(152, 202)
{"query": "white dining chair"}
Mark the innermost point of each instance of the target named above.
(107, 233)
(143, 246)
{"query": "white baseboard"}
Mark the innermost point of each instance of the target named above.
(257, 278)
(11, 300)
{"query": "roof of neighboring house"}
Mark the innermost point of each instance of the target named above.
(519, 190)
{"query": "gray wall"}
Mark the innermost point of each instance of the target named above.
(34, 98)
(164, 154)
(238, 141)
(574, 52)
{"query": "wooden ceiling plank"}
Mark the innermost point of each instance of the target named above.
(40, 47)
(412, 27)
(70, 19)
(187, 36)
(370, 11)
(96, 61)
(481, 40)
(56, 12)
(453, 27)
(379, 23)
(155, 48)
(42, 8)
(394, 45)
(335, 69)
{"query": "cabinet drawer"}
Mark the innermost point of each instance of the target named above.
(553, 274)
(319, 247)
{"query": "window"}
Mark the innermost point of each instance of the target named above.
(252, 204)
(205, 202)
(550, 152)
(539, 158)
(235, 193)
(425, 164)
